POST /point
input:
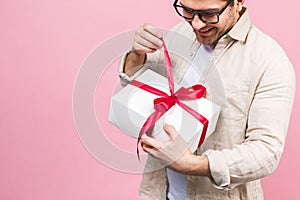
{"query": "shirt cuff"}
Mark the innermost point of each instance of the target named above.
(218, 169)
(125, 79)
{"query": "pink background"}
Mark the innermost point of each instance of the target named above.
(43, 44)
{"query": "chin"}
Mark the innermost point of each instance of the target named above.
(206, 41)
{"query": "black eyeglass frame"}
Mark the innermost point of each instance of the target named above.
(200, 12)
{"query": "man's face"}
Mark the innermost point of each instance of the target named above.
(210, 33)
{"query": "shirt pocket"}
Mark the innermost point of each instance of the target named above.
(236, 104)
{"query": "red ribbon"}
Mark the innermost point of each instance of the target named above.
(166, 101)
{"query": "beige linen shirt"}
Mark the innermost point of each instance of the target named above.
(251, 77)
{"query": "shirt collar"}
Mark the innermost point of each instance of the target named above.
(241, 29)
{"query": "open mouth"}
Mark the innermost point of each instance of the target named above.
(205, 31)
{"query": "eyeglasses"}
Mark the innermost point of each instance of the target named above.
(205, 16)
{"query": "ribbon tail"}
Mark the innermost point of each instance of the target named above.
(199, 117)
(169, 68)
(150, 122)
(203, 134)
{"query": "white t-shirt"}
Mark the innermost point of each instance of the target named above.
(178, 181)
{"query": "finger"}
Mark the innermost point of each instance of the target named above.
(156, 153)
(151, 39)
(170, 130)
(150, 28)
(144, 43)
(148, 141)
(151, 34)
(147, 146)
(146, 39)
(148, 149)
(140, 49)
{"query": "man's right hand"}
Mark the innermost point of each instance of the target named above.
(146, 40)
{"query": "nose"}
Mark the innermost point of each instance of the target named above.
(197, 23)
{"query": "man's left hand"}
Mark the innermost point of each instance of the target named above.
(175, 152)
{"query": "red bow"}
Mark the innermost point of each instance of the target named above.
(165, 101)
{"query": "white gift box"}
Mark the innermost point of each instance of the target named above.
(130, 108)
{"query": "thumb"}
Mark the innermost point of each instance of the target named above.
(170, 130)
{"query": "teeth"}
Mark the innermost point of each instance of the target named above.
(205, 30)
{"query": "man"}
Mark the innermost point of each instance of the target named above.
(259, 85)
